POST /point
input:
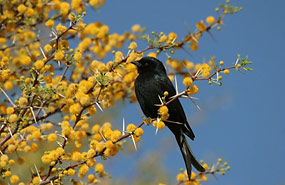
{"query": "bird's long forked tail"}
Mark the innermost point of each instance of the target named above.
(188, 156)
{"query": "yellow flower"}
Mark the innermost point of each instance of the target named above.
(193, 90)
(180, 177)
(52, 137)
(7, 173)
(203, 177)
(13, 118)
(116, 134)
(226, 71)
(21, 8)
(47, 48)
(71, 171)
(172, 37)
(93, 2)
(99, 168)
(36, 180)
(210, 20)
(194, 46)
(136, 28)
(163, 110)
(109, 144)
(39, 64)
(26, 60)
(139, 132)
(100, 146)
(8, 85)
(59, 54)
(76, 156)
(201, 26)
(83, 170)
(9, 110)
(131, 127)
(75, 108)
(23, 101)
(163, 38)
(29, 12)
(133, 46)
(187, 81)
(60, 28)
(160, 125)
(77, 56)
(49, 23)
(14, 179)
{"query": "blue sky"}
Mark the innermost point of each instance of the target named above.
(241, 121)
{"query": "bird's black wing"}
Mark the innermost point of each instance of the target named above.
(175, 108)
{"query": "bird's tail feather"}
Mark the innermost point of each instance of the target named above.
(188, 156)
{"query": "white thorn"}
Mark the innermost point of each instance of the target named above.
(133, 139)
(38, 172)
(32, 110)
(14, 40)
(100, 132)
(99, 106)
(157, 121)
(123, 126)
(236, 62)
(10, 132)
(176, 85)
(198, 107)
(59, 143)
(43, 53)
(160, 100)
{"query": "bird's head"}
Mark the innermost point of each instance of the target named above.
(149, 65)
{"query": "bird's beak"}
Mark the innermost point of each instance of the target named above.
(137, 63)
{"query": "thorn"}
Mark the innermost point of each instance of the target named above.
(100, 132)
(197, 73)
(99, 106)
(187, 27)
(198, 107)
(14, 40)
(176, 85)
(43, 53)
(11, 102)
(236, 61)
(133, 139)
(32, 110)
(59, 143)
(178, 123)
(38, 173)
(123, 126)
(160, 100)
(10, 132)
(157, 121)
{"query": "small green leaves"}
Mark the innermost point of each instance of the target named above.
(102, 79)
(242, 63)
(228, 9)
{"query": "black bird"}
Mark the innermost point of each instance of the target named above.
(151, 83)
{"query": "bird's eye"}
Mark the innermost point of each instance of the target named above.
(146, 64)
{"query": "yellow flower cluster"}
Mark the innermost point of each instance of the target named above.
(204, 68)
(53, 155)
(159, 125)
(163, 112)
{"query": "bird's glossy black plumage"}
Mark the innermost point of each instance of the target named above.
(151, 83)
